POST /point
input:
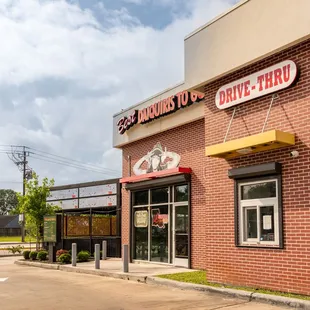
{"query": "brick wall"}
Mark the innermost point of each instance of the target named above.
(187, 141)
(288, 269)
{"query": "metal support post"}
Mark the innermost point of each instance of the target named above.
(97, 256)
(125, 258)
(274, 96)
(74, 254)
(232, 117)
(51, 252)
(104, 250)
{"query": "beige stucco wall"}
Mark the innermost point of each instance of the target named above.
(178, 118)
(250, 31)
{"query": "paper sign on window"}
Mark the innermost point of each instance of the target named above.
(159, 220)
(141, 219)
(267, 222)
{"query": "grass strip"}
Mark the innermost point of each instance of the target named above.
(15, 239)
(200, 277)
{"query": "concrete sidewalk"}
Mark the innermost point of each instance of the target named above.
(139, 269)
(112, 268)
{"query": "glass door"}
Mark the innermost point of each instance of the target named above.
(141, 225)
(160, 234)
(160, 221)
(180, 235)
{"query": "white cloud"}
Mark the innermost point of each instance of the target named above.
(64, 74)
(136, 1)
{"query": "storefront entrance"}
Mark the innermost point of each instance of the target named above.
(161, 225)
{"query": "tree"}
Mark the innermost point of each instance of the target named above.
(34, 206)
(8, 202)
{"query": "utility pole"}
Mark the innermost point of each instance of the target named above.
(24, 191)
(19, 157)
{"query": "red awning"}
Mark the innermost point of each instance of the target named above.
(155, 175)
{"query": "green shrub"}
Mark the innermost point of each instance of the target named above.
(100, 254)
(26, 254)
(83, 256)
(33, 255)
(42, 255)
(16, 249)
(65, 258)
(70, 252)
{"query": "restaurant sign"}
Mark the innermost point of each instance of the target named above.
(159, 109)
(261, 83)
(50, 228)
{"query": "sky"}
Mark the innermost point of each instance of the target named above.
(68, 66)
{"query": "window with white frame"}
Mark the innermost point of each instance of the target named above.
(258, 213)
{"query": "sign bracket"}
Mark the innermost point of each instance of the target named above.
(274, 97)
(229, 125)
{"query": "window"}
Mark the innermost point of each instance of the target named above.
(141, 198)
(258, 190)
(159, 195)
(258, 213)
(181, 193)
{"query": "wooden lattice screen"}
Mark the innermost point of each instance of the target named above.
(80, 225)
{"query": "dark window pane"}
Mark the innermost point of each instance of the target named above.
(267, 223)
(260, 190)
(141, 221)
(251, 224)
(181, 193)
(159, 195)
(181, 246)
(160, 228)
(181, 219)
(141, 198)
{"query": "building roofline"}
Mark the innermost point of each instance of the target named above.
(148, 99)
(236, 6)
(85, 184)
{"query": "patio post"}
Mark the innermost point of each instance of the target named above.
(125, 258)
(97, 256)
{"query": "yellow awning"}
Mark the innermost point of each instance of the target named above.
(265, 141)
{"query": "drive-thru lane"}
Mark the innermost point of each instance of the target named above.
(35, 288)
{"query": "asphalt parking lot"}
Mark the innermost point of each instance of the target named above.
(23, 287)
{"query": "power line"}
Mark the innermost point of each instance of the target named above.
(11, 182)
(10, 145)
(72, 160)
(16, 153)
(56, 156)
(69, 165)
(66, 162)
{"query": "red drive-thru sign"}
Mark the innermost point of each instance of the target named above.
(264, 82)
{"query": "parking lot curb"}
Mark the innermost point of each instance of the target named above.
(281, 301)
(37, 264)
(153, 280)
(199, 287)
(250, 296)
(122, 276)
(102, 273)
